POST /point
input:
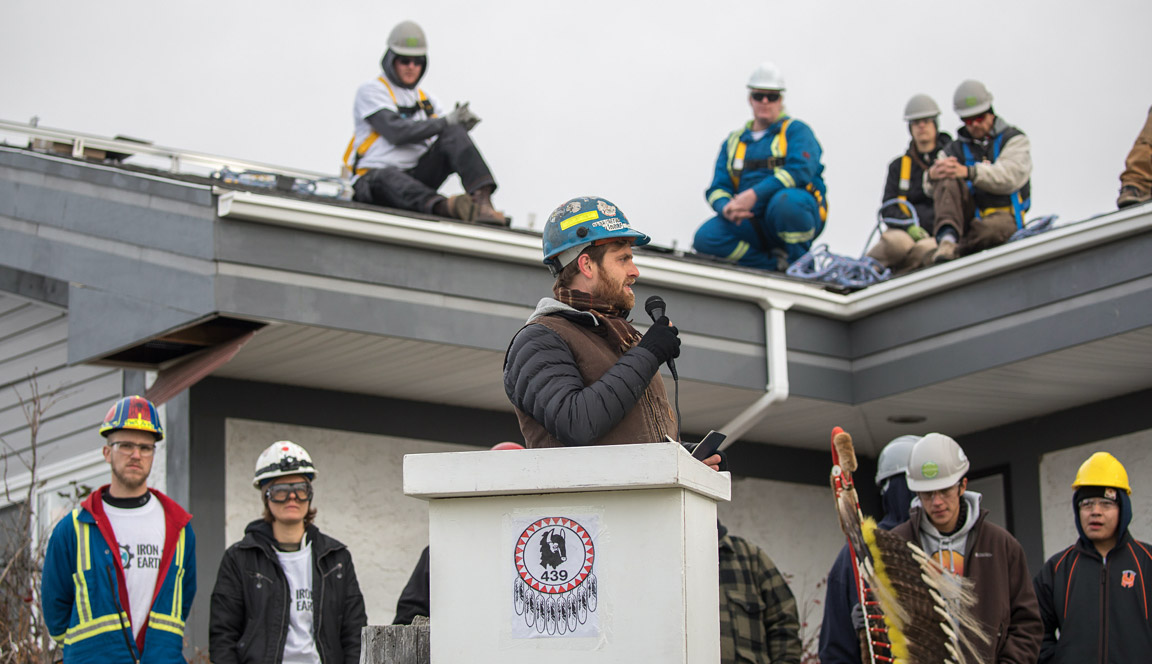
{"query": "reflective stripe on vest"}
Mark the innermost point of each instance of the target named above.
(905, 183)
(779, 149)
(1019, 206)
(425, 106)
(87, 626)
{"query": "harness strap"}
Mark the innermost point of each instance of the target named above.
(1019, 205)
(424, 104)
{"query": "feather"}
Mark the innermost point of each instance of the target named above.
(916, 612)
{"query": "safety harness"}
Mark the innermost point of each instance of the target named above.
(1019, 206)
(737, 147)
(404, 111)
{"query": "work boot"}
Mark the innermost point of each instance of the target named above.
(1130, 195)
(455, 207)
(945, 251)
(482, 210)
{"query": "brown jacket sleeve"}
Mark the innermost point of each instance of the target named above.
(1025, 630)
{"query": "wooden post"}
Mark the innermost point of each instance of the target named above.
(395, 644)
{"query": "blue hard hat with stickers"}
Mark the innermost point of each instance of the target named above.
(580, 222)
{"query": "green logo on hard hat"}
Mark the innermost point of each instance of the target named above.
(930, 470)
(971, 101)
(415, 41)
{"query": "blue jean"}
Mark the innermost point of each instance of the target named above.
(789, 221)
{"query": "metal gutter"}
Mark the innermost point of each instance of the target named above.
(502, 245)
(776, 353)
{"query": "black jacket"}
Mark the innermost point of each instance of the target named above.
(415, 599)
(914, 189)
(1101, 609)
(249, 621)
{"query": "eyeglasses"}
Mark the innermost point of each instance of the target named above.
(1103, 504)
(278, 493)
(973, 119)
(770, 96)
(404, 60)
(127, 449)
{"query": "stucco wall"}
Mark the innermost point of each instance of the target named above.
(1058, 469)
(359, 498)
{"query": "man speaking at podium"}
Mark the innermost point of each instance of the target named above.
(578, 373)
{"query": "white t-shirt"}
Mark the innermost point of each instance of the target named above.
(140, 534)
(299, 647)
(372, 97)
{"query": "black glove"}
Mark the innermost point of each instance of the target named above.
(858, 616)
(662, 340)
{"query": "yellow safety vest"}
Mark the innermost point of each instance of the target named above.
(350, 166)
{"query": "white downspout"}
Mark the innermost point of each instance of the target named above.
(776, 351)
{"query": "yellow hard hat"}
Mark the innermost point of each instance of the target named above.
(1102, 469)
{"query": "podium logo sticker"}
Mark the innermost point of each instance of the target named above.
(555, 592)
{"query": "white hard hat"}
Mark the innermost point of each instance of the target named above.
(766, 76)
(894, 457)
(408, 39)
(937, 462)
(971, 98)
(921, 107)
(283, 458)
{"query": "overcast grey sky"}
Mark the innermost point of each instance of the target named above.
(628, 100)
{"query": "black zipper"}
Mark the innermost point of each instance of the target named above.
(287, 600)
(1104, 612)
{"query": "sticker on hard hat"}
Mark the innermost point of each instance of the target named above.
(606, 209)
(930, 470)
(613, 224)
(555, 589)
(578, 219)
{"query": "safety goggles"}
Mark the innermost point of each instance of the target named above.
(278, 493)
(770, 96)
(973, 119)
(406, 60)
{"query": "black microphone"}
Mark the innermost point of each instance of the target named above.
(655, 306)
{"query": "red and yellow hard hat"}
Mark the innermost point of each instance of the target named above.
(136, 413)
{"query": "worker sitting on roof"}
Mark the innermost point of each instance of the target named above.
(405, 146)
(907, 209)
(769, 198)
(982, 187)
(1136, 180)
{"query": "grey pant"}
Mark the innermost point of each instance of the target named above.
(415, 188)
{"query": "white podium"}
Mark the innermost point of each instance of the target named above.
(581, 555)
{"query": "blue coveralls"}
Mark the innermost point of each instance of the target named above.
(784, 169)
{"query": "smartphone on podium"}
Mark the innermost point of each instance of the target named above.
(708, 446)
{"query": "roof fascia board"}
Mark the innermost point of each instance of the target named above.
(723, 282)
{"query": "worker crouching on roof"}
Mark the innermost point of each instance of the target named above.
(982, 187)
(908, 240)
(405, 145)
(768, 194)
(286, 592)
(1094, 595)
(120, 570)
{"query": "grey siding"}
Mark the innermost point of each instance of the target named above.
(34, 342)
